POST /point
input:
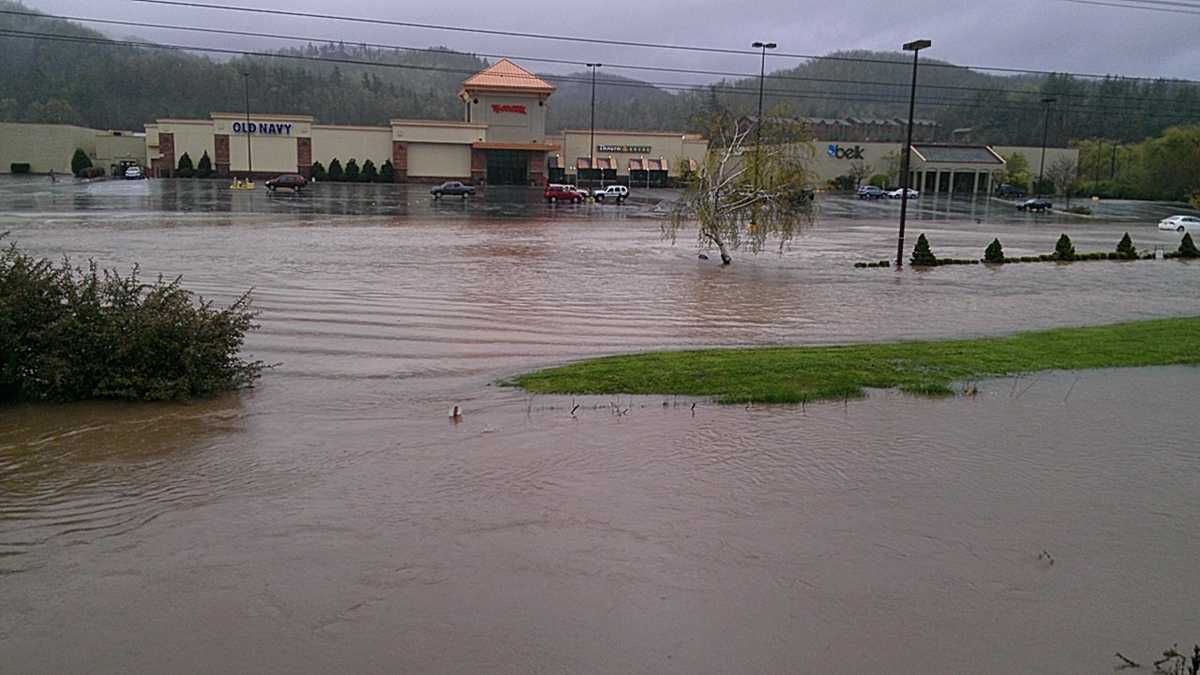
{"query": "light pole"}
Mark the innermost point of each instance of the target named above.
(905, 178)
(762, 75)
(249, 157)
(592, 139)
(1045, 132)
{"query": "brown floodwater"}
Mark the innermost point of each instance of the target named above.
(334, 520)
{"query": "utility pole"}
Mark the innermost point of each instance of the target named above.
(592, 141)
(1045, 132)
(906, 169)
(758, 123)
(249, 157)
(1112, 169)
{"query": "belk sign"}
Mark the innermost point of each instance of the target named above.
(838, 152)
(268, 128)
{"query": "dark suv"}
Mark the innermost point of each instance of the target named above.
(1037, 204)
(1007, 191)
(871, 192)
(288, 180)
(452, 188)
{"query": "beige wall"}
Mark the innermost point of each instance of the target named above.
(195, 137)
(45, 147)
(111, 149)
(1034, 155)
(439, 160)
(507, 126)
(666, 145)
(270, 155)
(344, 143)
(415, 131)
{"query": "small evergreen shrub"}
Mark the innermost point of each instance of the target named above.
(369, 173)
(80, 161)
(1064, 249)
(1187, 247)
(922, 256)
(204, 166)
(185, 168)
(318, 171)
(335, 170)
(387, 173)
(1126, 249)
(994, 252)
(350, 173)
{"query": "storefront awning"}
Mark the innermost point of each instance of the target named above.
(659, 164)
(554, 162)
(604, 163)
(635, 165)
(532, 147)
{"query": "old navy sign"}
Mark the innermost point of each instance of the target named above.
(508, 107)
(268, 128)
(635, 149)
(838, 152)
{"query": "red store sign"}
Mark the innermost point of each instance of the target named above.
(508, 107)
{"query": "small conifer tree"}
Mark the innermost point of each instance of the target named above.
(387, 174)
(1064, 249)
(80, 161)
(351, 171)
(922, 256)
(1126, 249)
(204, 166)
(185, 169)
(369, 173)
(1187, 247)
(994, 252)
(318, 171)
(335, 170)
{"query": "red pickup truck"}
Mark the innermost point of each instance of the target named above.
(562, 193)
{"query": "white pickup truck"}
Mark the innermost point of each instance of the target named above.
(616, 193)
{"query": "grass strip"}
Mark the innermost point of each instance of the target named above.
(801, 374)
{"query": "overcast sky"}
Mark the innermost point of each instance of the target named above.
(1035, 34)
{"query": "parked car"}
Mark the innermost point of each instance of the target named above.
(134, 173)
(617, 193)
(1007, 191)
(583, 194)
(288, 180)
(1038, 204)
(561, 193)
(871, 192)
(1180, 223)
(452, 188)
(899, 192)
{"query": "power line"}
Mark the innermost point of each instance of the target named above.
(1143, 7)
(691, 71)
(604, 41)
(778, 94)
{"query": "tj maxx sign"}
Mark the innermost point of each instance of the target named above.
(508, 108)
(838, 152)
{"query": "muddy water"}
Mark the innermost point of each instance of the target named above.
(333, 519)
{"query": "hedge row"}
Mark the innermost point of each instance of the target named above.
(1064, 251)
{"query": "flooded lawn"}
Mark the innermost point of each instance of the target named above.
(334, 519)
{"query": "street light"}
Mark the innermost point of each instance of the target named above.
(1045, 131)
(915, 47)
(762, 74)
(249, 157)
(592, 151)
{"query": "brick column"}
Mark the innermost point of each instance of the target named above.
(304, 157)
(537, 168)
(478, 165)
(399, 162)
(166, 147)
(221, 154)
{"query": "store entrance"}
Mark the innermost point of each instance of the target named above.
(507, 167)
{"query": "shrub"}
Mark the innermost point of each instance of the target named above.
(1187, 247)
(1043, 187)
(317, 171)
(92, 172)
(843, 184)
(994, 252)
(204, 166)
(879, 180)
(1064, 249)
(351, 172)
(335, 170)
(72, 334)
(387, 174)
(80, 161)
(1125, 248)
(922, 255)
(19, 167)
(369, 174)
(1106, 189)
(185, 168)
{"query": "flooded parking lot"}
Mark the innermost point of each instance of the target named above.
(333, 519)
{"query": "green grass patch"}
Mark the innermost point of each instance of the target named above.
(802, 374)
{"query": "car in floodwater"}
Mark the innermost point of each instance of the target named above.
(452, 188)
(134, 173)
(1180, 224)
(561, 193)
(899, 192)
(871, 192)
(1036, 205)
(1007, 191)
(294, 181)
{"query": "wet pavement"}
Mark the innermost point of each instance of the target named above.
(334, 519)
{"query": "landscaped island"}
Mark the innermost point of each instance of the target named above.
(799, 374)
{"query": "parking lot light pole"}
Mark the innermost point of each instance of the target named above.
(592, 139)
(249, 157)
(915, 47)
(1045, 133)
(758, 122)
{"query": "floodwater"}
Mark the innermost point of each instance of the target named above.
(334, 520)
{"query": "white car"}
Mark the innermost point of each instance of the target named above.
(1180, 223)
(617, 193)
(134, 173)
(899, 192)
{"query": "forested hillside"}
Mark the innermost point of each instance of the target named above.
(125, 86)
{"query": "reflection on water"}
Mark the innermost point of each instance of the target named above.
(334, 520)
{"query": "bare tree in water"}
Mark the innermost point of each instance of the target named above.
(747, 192)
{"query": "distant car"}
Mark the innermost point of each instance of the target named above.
(561, 193)
(288, 180)
(1037, 204)
(1007, 191)
(452, 188)
(899, 192)
(1180, 223)
(871, 192)
(134, 173)
(617, 193)
(583, 194)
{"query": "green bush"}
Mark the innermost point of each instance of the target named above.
(369, 173)
(204, 166)
(351, 172)
(1187, 247)
(335, 170)
(317, 171)
(994, 252)
(1126, 249)
(922, 256)
(842, 184)
(185, 169)
(879, 180)
(1106, 189)
(19, 167)
(80, 161)
(1043, 187)
(72, 334)
(387, 174)
(1064, 249)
